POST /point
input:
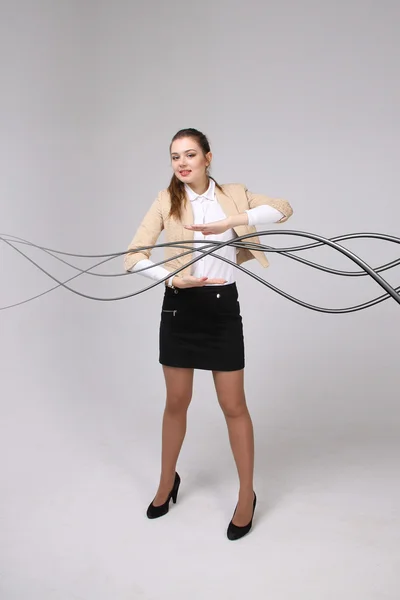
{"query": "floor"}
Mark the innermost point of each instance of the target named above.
(74, 525)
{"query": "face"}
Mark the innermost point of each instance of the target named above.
(188, 161)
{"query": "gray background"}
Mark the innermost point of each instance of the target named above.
(300, 100)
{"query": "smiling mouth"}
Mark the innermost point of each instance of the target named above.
(184, 173)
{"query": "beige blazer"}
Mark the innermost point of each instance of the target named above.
(234, 199)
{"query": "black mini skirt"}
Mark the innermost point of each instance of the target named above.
(201, 328)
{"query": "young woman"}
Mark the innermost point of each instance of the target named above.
(201, 326)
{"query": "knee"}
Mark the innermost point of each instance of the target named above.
(233, 410)
(177, 403)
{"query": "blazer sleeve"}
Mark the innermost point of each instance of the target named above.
(147, 234)
(258, 200)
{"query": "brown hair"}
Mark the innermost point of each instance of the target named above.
(176, 187)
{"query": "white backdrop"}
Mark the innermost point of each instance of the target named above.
(300, 101)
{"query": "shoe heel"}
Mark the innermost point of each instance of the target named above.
(174, 493)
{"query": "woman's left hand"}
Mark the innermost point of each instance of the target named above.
(211, 228)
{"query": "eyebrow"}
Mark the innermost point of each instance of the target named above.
(190, 150)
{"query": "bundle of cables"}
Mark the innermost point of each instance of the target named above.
(204, 248)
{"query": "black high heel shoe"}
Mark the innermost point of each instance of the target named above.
(153, 512)
(235, 532)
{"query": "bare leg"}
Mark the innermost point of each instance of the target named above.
(229, 386)
(179, 384)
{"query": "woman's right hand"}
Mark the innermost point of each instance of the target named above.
(189, 281)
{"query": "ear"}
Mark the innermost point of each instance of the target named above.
(209, 158)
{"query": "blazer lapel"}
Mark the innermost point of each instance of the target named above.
(227, 203)
(230, 208)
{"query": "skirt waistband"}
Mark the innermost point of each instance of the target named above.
(229, 288)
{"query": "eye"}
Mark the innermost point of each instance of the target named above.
(191, 155)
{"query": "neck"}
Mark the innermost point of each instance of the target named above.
(200, 187)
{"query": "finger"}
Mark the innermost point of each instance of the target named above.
(217, 281)
(195, 227)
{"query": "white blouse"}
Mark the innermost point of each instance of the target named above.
(207, 209)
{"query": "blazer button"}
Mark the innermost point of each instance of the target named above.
(218, 295)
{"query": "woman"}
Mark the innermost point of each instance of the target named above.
(201, 326)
